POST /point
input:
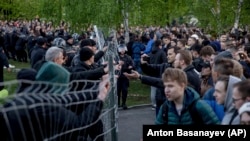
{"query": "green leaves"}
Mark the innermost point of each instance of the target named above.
(107, 13)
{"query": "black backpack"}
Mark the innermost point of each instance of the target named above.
(197, 119)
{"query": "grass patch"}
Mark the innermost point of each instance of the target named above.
(137, 93)
(8, 76)
(12, 75)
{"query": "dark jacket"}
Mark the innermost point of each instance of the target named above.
(31, 44)
(94, 74)
(157, 56)
(48, 118)
(155, 70)
(7, 41)
(125, 67)
(37, 54)
(76, 59)
(3, 62)
(82, 67)
(21, 43)
(204, 110)
(197, 63)
(13, 39)
(194, 80)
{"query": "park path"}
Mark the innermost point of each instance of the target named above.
(130, 122)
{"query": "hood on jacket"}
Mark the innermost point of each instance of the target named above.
(55, 75)
(52, 72)
(224, 54)
(230, 111)
(190, 96)
(229, 100)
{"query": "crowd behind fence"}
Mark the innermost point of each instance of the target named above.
(54, 111)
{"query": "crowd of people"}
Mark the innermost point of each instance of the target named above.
(195, 78)
(202, 78)
(58, 65)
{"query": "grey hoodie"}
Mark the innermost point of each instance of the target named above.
(228, 104)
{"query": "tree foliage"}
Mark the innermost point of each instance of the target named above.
(108, 13)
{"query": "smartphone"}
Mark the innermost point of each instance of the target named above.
(241, 56)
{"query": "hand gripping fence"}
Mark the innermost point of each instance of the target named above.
(34, 111)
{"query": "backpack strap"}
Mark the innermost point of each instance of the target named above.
(165, 112)
(233, 117)
(197, 119)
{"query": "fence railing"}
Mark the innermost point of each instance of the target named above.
(32, 110)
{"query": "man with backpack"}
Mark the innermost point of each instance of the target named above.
(183, 104)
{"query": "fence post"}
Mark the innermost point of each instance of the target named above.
(113, 95)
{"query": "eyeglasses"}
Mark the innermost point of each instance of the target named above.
(234, 99)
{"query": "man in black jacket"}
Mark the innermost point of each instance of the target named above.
(31, 116)
(91, 44)
(3, 62)
(38, 52)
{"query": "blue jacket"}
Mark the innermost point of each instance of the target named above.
(137, 47)
(209, 94)
(149, 46)
(218, 109)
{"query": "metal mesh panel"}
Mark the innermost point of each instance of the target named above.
(53, 111)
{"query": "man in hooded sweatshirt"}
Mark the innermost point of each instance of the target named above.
(241, 95)
(224, 89)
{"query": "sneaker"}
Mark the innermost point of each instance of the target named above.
(153, 107)
(12, 66)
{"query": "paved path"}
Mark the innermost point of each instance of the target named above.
(130, 122)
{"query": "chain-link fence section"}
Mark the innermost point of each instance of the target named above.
(35, 110)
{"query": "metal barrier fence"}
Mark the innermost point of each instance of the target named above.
(45, 111)
(33, 110)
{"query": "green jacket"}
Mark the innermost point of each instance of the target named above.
(204, 111)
